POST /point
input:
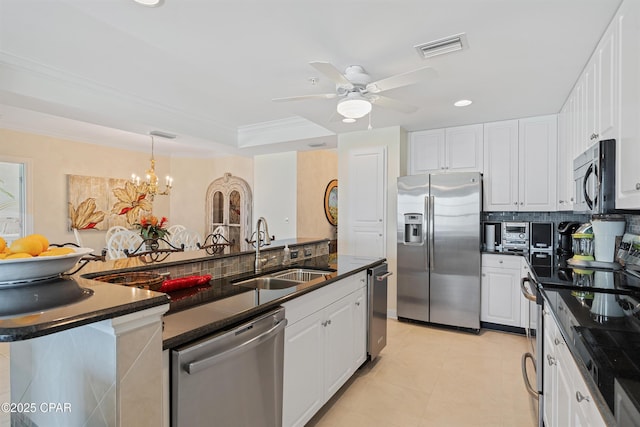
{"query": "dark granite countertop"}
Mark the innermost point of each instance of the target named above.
(55, 305)
(223, 304)
(606, 348)
(601, 325)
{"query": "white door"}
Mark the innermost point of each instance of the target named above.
(500, 181)
(538, 163)
(367, 202)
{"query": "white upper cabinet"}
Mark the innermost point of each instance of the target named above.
(538, 137)
(426, 151)
(566, 186)
(452, 149)
(520, 158)
(464, 148)
(500, 181)
(628, 147)
(608, 83)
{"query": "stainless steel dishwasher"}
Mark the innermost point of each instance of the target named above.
(233, 378)
(377, 319)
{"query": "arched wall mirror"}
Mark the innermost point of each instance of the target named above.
(228, 205)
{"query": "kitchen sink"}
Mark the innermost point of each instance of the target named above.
(268, 283)
(284, 279)
(300, 274)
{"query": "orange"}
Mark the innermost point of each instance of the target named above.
(31, 245)
(18, 255)
(3, 244)
(43, 240)
(55, 251)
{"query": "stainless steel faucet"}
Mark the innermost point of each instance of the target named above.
(267, 241)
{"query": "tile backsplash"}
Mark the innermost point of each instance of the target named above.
(633, 221)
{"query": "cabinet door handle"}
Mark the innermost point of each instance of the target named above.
(551, 360)
(358, 303)
(580, 397)
(593, 136)
(515, 203)
(556, 341)
(637, 185)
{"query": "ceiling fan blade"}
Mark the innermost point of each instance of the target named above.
(332, 72)
(302, 97)
(404, 79)
(383, 101)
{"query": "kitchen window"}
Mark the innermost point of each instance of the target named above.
(13, 199)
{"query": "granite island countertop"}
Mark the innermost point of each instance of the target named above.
(217, 309)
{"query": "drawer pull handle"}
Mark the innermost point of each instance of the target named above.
(580, 397)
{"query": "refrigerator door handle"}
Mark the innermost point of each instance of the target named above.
(431, 230)
(426, 225)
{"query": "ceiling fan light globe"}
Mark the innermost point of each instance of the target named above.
(354, 107)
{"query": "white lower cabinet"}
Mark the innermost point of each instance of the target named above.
(500, 296)
(567, 400)
(325, 342)
(501, 300)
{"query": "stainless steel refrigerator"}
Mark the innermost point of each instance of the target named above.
(439, 248)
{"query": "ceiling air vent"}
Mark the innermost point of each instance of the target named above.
(442, 46)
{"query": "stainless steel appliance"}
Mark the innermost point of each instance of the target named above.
(541, 247)
(377, 319)
(439, 272)
(233, 378)
(515, 237)
(595, 178)
(565, 242)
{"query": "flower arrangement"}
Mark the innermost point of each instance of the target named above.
(152, 228)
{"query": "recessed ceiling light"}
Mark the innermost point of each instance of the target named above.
(463, 103)
(348, 120)
(149, 3)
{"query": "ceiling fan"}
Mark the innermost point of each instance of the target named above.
(358, 92)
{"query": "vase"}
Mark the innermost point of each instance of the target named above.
(151, 243)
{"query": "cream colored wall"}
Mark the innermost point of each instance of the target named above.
(275, 192)
(192, 178)
(315, 170)
(51, 159)
(394, 138)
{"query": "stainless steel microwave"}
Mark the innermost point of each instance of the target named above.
(594, 178)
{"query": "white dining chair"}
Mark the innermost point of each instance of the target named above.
(121, 240)
(174, 229)
(113, 230)
(189, 238)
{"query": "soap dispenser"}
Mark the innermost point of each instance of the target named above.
(286, 257)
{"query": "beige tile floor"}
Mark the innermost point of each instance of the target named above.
(431, 377)
(425, 377)
(5, 387)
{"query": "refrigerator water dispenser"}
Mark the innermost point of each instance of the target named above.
(413, 228)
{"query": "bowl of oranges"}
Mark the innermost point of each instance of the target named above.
(30, 259)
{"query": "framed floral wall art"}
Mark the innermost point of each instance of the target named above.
(100, 203)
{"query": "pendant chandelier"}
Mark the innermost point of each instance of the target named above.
(150, 185)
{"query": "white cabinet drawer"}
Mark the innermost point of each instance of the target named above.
(501, 261)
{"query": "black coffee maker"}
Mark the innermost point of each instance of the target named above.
(565, 230)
